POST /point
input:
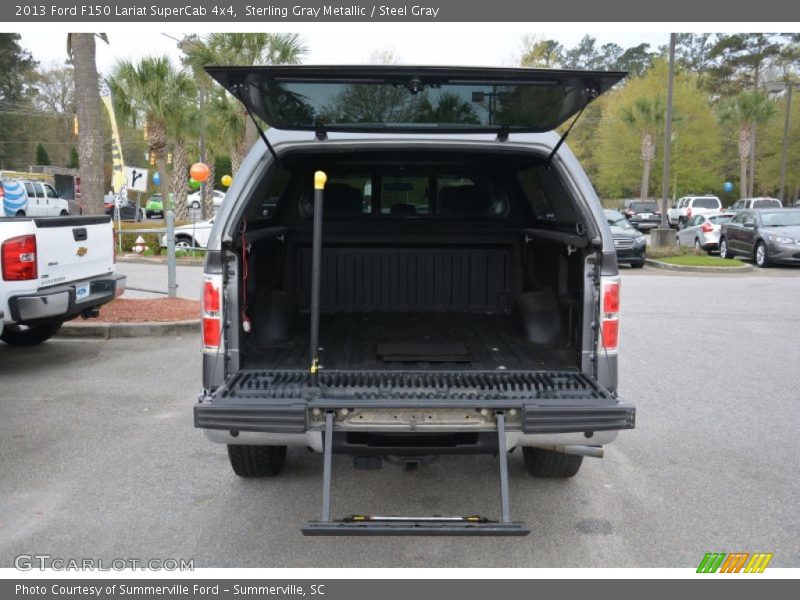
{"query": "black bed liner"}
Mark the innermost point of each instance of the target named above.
(355, 341)
(407, 385)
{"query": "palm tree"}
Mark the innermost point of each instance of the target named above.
(156, 91)
(646, 115)
(238, 49)
(746, 111)
(182, 129)
(81, 51)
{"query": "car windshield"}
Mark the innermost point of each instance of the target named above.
(784, 218)
(644, 206)
(706, 203)
(617, 218)
(767, 203)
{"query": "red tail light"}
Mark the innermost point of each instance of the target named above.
(707, 227)
(212, 313)
(609, 308)
(19, 258)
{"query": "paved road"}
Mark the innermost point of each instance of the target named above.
(99, 458)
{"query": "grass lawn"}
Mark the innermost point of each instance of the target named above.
(694, 260)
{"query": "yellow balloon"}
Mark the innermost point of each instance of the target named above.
(226, 180)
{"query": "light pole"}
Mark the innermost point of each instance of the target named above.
(662, 236)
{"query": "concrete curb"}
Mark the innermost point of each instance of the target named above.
(147, 260)
(107, 331)
(657, 264)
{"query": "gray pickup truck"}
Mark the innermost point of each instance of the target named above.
(410, 264)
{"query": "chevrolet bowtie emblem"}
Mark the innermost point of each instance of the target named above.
(81, 251)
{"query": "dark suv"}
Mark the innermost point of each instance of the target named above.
(642, 214)
(411, 264)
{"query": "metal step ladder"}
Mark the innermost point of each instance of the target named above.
(374, 525)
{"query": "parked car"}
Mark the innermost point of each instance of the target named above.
(53, 269)
(629, 242)
(22, 198)
(702, 231)
(768, 236)
(688, 206)
(755, 203)
(192, 236)
(643, 214)
(125, 211)
(155, 206)
(475, 293)
(194, 200)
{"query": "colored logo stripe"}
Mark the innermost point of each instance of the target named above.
(711, 562)
(758, 562)
(734, 562)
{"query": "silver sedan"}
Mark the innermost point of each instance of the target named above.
(702, 231)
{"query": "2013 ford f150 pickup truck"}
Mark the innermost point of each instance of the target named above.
(410, 264)
(53, 269)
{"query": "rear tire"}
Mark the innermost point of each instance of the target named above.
(551, 464)
(257, 461)
(64, 213)
(637, 265)
(184, 243)
(724, 251)
(29, 336)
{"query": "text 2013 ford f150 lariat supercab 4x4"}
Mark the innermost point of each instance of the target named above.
(411, 264)
(53, 269)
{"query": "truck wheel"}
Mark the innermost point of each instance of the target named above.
(257, 461)
(548, 463)
(18, 335)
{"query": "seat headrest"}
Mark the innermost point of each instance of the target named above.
(463, 200)
(403, 209)
(343, 199)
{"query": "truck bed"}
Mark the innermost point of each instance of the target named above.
(411, 341)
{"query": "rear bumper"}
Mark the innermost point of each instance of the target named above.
(58, 303)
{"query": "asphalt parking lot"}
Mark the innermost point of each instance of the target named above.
(99, 457)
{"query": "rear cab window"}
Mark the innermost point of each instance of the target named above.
(706, 203)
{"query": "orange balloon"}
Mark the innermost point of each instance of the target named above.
(199, 171)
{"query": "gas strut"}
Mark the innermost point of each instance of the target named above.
(316, 274)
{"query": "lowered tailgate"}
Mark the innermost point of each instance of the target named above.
(73, 248)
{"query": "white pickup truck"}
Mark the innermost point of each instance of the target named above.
(54, 269)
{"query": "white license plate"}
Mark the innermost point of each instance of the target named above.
(82, 292)
(646, 215)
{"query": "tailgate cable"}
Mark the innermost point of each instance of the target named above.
(246, 326)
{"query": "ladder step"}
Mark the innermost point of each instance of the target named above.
(412, 527)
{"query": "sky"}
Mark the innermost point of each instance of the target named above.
(477, 44)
